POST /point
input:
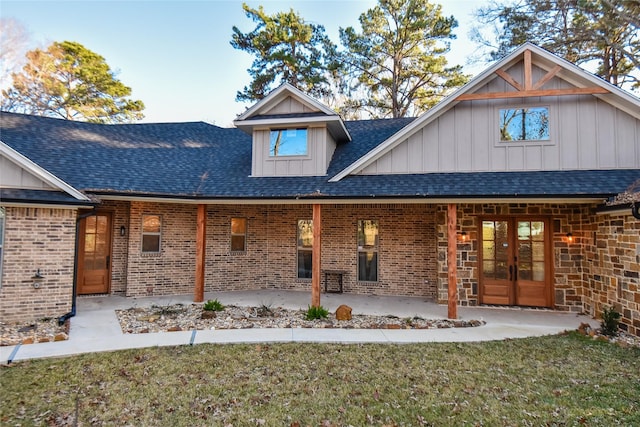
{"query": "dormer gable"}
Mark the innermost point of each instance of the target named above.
(293, 134)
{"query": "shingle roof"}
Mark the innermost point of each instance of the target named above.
(198, 160)
(14, 195)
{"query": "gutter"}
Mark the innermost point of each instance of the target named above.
(72, 313)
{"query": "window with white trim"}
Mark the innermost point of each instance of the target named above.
(288, 142)
(524, 124)
(151, 233)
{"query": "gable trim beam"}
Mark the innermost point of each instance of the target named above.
(533, 93)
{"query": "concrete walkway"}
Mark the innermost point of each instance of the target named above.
(95, 327)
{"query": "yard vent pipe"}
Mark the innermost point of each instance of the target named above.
(635, 210)
(72, 313)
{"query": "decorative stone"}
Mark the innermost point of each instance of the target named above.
(208, 314)
(174, 329)
(343, 312)
(60, 337)
(27, 341)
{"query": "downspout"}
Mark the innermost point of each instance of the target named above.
(72, 313)
(635, 210)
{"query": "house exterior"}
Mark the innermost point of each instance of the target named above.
(495, 196)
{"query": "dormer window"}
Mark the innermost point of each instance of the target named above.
(288, 142)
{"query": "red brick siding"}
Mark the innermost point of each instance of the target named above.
(37, 238)
(172, 271)
(406, 259)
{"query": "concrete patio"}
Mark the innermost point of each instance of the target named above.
(95, 327)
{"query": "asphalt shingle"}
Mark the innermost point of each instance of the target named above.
(199, 160)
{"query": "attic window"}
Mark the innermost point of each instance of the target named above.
(524, 124)
(288, 142)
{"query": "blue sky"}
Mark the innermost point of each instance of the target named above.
(176, 55)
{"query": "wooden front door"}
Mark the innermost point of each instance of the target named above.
(94, 254)
(515, 262)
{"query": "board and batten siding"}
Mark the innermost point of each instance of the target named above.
(14, 176)
(585, 133)
(315, 163)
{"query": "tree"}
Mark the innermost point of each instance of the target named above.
(397, 62)
(14, 39)
(287, 49)
(71, 82)
(603, 32)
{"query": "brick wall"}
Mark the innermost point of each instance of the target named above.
(119, 244)
(172, 271)
(37, 239)
(612, 247)
(406, 259)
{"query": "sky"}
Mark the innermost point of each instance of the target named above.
(176, 55)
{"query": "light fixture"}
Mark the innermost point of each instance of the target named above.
(123, 230)
(463, 236)
(569, 237)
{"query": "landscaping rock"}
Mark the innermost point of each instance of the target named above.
(343, 312)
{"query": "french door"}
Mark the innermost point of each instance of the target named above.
(515, 262)
(94, 254)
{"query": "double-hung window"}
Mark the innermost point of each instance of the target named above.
(368, 250)
(238, 234)
(151, 233)
(305, 248)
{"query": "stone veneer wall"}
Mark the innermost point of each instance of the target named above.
(612, 248)
(569, 262)
(37, 239)
(406, 258)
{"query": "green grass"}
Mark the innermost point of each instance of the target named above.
(559, 380)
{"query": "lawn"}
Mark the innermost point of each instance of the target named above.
(557, 380)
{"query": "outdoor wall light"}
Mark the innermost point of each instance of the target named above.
(463, 236)
(36, 280)
(123, 230)
(569, 237)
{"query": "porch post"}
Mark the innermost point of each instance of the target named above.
(452, 309)
(316, 260)
(201, 227)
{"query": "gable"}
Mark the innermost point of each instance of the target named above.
(592, 124)
(20, 173)
(16, 176)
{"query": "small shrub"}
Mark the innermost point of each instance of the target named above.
(264, 310)
(314, 313)
(610, 322)
(213, 305)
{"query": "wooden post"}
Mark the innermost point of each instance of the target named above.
(452, 244)
(316, 256)
(201, 244)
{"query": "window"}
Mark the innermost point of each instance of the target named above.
(2, 216)
(238, 234)
(524, 124)
(305, 248)
(368, 250)
(288, 142)
(151, 232)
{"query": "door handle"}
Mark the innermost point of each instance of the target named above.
(511, 273)
(108, 260)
